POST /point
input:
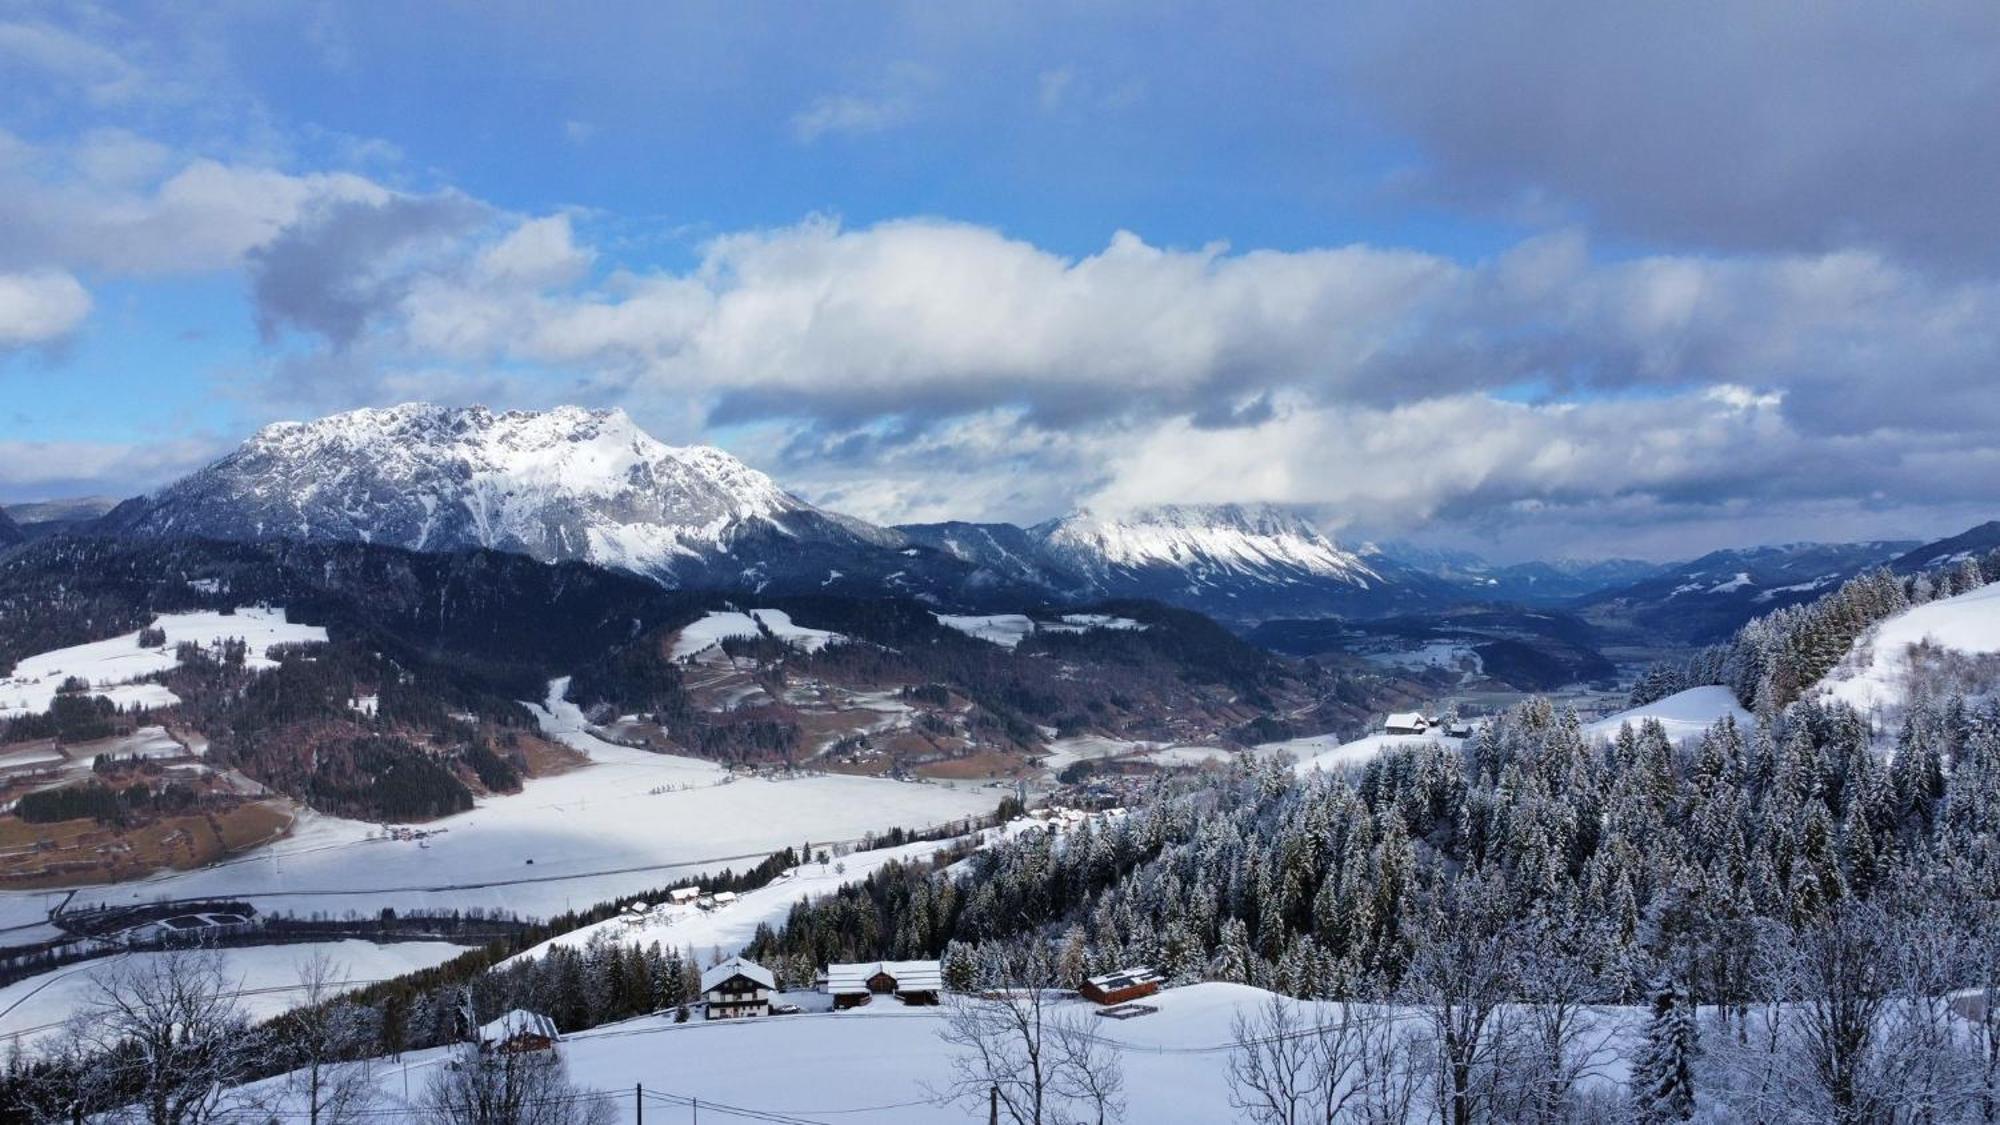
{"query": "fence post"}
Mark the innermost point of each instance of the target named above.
(639, 1103)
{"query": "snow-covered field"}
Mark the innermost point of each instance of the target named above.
(722, 625)
(883, 1063)
(265, 978)
(729, 928)
(628, 822)
(1327, 752)
(1876, 672)
(1684, 714)
(1009, 629)
(114, 665)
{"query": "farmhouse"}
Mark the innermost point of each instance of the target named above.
(681, 896)
(737, 988)
(1406, 722)
(912, 982)
(1126, 984)
(517, 1032)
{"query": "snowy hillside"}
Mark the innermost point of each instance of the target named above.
(1685, 714)
(885, 1063)
(1878, 673)
(721, 625)
(1008, 630)
(115, 666)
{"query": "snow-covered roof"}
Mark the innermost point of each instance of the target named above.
(1128, 977)
(911, 976)
(723, 898)
(1406, 720)
(516, 1023)
(737, 966)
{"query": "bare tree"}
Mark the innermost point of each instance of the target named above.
(1287, 1069)
(1087, 1075)
(166, 1040)
(1013, 1047)
(481, 1087)
(1561, 1043)
(320, 1045)
(1460, 983)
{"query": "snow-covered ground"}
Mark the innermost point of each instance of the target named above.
(265, 978)
(729, 928)
(1684, 714)
(626, 823)
(1327, 752)
(883, 1063)
(1009, 629)
(722, 625)
(114, 665)
(1876, 672)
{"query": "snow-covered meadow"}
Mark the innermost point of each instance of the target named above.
(721, 625)
(1684, 714)
(886, 1063)
(1878, 670)
(114, 667)
(1008, 630)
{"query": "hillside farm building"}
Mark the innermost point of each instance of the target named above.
(912, 982)
(518, 1032)
(736, 989)
(1125, 985)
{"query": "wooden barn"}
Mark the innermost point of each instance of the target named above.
(518, 1032)
(1406, 722)
(737, 988)
(1122, 986)
(912, 982)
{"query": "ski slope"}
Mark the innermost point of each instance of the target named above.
(1876, 673)
(116, 665)
(627, 822)
(1684, 714)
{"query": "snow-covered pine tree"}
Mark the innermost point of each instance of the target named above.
(1663, 1074)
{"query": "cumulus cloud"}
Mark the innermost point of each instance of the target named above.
(345, 261)
(1766, 125)
(932, 319)
(38, 308)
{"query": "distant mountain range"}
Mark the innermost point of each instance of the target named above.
(591, 486)
(1709, 598)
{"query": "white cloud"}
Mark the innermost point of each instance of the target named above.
(896, 100)
(37, 308)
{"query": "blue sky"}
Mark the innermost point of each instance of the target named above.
(1608, 278)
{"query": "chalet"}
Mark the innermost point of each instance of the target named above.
(518, 1032)
(1458, 728)
(912, 982)
(1406, 722)
(724, 898)
(681, 896)
(1125, 985)
(737, 988)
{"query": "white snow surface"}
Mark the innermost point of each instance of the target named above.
(1327, 752)
(1008, 630)
(721, 625)
(264, 977)
(880, 1063)
(1684, 714)
(115, 664)
(1876, 671)
(626, 823)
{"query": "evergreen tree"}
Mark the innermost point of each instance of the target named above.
(1663, 1074)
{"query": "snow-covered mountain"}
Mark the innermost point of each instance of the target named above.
(1548, 582)
(9, 533)
(557, 485)
(1229, 560)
